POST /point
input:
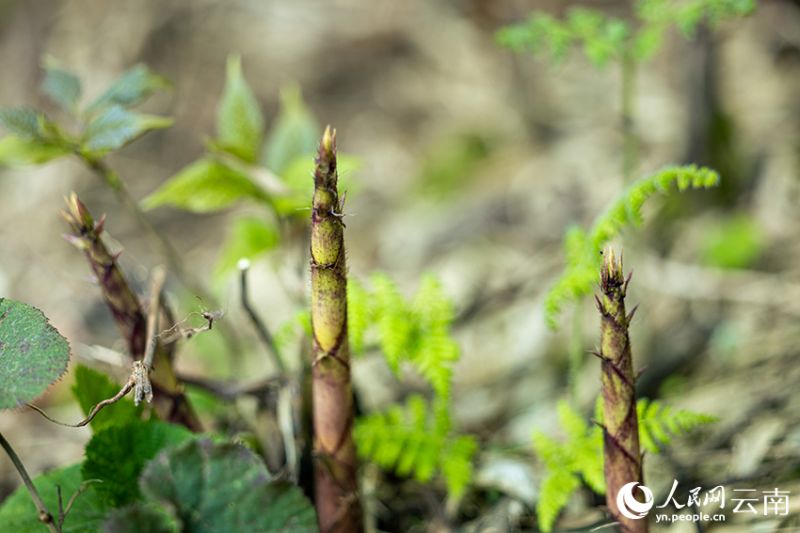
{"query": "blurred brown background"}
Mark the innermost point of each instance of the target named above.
(474, 162)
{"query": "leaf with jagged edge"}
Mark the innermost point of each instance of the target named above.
(18, 513)
(118, 454)
(224, 488)
(33, 354)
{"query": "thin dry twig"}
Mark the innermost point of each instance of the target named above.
(129, 385)
(64, 511)
(44, 515)
(261, 328)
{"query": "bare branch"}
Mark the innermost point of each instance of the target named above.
(231, 391)
(44, 515)
(261, 328)
(96, 409)
(62, 514)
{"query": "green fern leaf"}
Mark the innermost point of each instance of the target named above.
(658, 423)
(394, 328)
(358, 315)
(555, 492)
(582, 250)
(409, 441)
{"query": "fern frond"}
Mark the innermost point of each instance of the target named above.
(555, 492)
(658, 423)
(566, 463)
(358, 315)
(434, 351)
(582, 249)
(413, 440)
(456, 464)
(605, 38)
(394, 327)
(687, 15)
(601, 37)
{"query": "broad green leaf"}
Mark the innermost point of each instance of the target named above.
(129, 89)
(141, 517)
(117, 455)
(116, 126)
(295, 133)
(205, 185)
(63, 87)
(33, 354)
(18, 151)
(24, 122)
(91, 387)
(18, 514)
(240, 125)
(250, 237)
(224, 488)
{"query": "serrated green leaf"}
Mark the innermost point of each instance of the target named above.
(118, 454)
(18, 514)
(115, 127)
(91, 387)
(240, 124)
(33, 354)
(17, 151)
(141, 517)
(62, 86)
(204, 186)
(224, 488)
(249, 238)
(295, 133)
(129, 89)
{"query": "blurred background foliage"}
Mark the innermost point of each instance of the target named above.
(462, 159)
